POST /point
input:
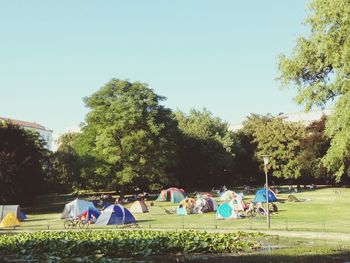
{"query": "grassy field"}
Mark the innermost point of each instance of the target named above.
(324, 216)
(325, 210)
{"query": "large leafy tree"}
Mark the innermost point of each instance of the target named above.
(22, 155)
(204, 149)
(65, 162)
(280, 140)
(319, 67)
(313, 147)
(95, 172)
(132, 132)
(247, 164)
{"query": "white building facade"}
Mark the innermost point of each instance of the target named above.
(303, 117)
(45, 133)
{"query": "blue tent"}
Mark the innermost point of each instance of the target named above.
(115, 215)
(106, 204)
(23, 216)
(260, 196)
(225, 211)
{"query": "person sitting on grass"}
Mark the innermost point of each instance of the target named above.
(260, 209)
(251, 206)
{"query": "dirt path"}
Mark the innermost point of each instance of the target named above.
(311, 235)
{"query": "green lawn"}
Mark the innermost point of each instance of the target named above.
(324, 211)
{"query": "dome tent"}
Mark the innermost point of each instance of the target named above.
(260, 196)
(115, 215)
(139, 207)
(172, 194)
(15, 209)
(9, 220)
(238, 204)
(205, 204)
(227, 195)
(225, 211)
(76, 208)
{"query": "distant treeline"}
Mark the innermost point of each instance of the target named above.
(131, 142)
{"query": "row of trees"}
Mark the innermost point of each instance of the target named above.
(130, 140)
(23, 164)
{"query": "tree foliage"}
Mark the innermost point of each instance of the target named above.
(131, 132)
(319, 67)
(247, 165)
(279, 140)
(313, 147)
(66, 163)
(204, 149)
(22, 155)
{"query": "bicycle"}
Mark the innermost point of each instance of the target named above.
(73, 223)
(251, 213)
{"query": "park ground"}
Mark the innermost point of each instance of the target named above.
(315, 230)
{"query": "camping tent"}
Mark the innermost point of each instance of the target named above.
(293, 198)
(204, 194)
(9, 220)
(238, 204)
(90, 213)
(188, 204)
(227, 195)
(205, 204)
(76, 208)
(15, 209)
(23, 216)
(173, 194)
(115, 215)
(139, 207)
(225, 211)
(260, 196)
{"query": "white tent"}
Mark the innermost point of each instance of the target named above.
(6, 209)
(238, 204)
(227, 195)
(139, 207)
(205, 204)
(75, 208)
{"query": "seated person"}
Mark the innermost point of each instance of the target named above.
(260, 209)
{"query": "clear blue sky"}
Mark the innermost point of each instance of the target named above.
(221, 55)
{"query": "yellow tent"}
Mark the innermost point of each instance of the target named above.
(139, 207)
(10, 220)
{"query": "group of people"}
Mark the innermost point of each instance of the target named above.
(260, 209)
(219, 190)
(134, 197)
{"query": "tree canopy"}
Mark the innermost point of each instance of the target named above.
(130, 131)
(278, 139)
(204, 149)
(319, 67)
(22, 155)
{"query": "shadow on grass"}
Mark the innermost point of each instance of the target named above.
(38, 219)
(145, 220)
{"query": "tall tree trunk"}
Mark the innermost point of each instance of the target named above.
(121, 191)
